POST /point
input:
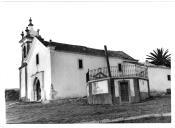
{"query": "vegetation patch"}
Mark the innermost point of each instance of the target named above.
(12, 94)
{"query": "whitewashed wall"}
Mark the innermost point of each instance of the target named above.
(131, 86)
(44, 65)
(70, 81)
(143, 85)
(100, 87)
(158, 78)
(23, 88)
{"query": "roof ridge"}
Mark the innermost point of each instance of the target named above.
(85, 49)
(74, 45)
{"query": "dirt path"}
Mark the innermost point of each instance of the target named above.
(148, 117)
(78, 111)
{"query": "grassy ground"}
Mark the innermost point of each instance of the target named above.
(76, 111)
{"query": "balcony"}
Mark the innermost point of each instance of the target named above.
(127, 70)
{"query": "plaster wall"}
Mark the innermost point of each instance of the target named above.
(158, 80)
(100, 87)
(67, 79)
(34, 70)
(23, 88)
(143, 85)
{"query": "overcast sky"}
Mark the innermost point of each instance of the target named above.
(135, 28)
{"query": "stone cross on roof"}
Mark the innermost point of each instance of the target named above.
(30, 22)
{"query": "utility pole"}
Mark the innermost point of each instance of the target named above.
(107, 60)
(111, 81)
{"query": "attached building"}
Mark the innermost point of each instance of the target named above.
(159, 77)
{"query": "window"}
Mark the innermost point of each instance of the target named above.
(169, 77)
(120, 67)
(28, 47)
(80, 63)
(37, 59)
(24, 51)
(87, 76)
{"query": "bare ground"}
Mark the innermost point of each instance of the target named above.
(77, 111)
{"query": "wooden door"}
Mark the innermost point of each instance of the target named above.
(124, 92)
(38, 90)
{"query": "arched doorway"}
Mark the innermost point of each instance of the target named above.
(37, 90)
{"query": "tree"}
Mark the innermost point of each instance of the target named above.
(159, 57)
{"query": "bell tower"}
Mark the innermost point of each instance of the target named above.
(27, 38)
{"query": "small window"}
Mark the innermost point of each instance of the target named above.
(120, 67)
(87, 76)
(37, 59)
(80, 63)
(24, 51)
(169, 77)
(28, 47)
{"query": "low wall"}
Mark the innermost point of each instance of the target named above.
(143, 85)
(99, 95)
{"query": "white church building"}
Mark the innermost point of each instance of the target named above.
(51, 70)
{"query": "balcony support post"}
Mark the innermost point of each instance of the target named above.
(146, 76)
(148, 89)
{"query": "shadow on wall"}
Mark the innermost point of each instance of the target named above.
(12, 94)
(53, 92)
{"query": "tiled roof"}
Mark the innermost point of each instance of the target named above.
(155, 66)
(85, 50)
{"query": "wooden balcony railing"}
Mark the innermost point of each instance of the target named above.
(127, 70)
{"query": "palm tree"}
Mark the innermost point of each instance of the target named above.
(159, 57)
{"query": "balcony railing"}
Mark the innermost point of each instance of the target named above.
(127, 70)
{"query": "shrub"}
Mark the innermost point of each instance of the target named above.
(11, 94)
(168, 91)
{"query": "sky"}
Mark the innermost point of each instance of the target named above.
(136, 28)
